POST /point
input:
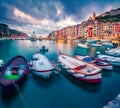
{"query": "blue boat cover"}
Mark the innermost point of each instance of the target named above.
(88, 59)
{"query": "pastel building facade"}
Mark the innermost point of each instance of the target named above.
(92, 28)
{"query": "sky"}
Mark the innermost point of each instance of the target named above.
(45, 16)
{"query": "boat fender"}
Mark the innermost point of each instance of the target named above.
(27, 71)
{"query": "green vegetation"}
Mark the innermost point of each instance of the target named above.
(18, 33)
(109, 18)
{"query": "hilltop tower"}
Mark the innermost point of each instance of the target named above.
(92, 17)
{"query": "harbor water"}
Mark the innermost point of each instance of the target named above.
(60, 91)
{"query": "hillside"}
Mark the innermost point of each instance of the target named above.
(18, 33)
(112, 16)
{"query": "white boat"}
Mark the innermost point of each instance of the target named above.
(80, 69)
(96, 45)
(113, 52)
(41, 65)
(83, 45)
(112, 60)
(107, 44)
(102, 64)
(104, 41)
(1, 63)
(91, 41)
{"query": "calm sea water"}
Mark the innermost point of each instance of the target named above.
(61, 91)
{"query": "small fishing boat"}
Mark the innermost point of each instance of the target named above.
(41, 66)
(112, 60)
(43, 49)
(96, 45)
(14, 71)
(80, 69)
(102, 64)
(113, 52)
(83, 45)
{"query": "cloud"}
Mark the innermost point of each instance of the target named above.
(87, 10)
(45, 16)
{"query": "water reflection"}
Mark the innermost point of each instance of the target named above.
(75, 89)
(45, 83)
(116, 69)
(92, 51)
(9, 94)
(107, 73)
(84, 85)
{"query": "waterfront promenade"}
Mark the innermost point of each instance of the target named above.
(114, 103)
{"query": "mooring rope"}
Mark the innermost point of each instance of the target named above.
(21, 96)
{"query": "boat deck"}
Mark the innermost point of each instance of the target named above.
(41, 63)
(78, 65)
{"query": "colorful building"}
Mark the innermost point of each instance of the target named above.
(92, 28)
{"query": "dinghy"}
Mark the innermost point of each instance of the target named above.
(14, 71)
(80, 69)
(43, 49)
(102, 64)
(41, 66)
(112, 60)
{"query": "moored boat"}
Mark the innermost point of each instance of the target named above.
(14, 71)
(80, 69)
(1, 63)
(112, 60)
(102, 64)
(83, 45)
(107, 44)
(41, 66)
(96, 45)
(43, 49)
(113, 52)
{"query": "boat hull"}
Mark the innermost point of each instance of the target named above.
(86, 78)
(43, 74)
(115, 63)
(110, 59)
(82, 46)
(109, 67)
(96, 45)
(91, 79)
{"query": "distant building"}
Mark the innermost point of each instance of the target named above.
(92, 28)
(93, 17)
